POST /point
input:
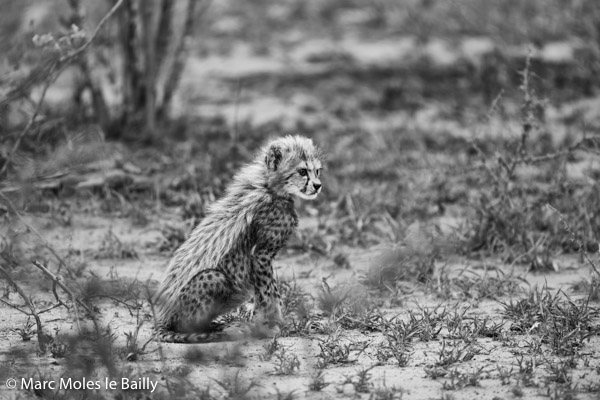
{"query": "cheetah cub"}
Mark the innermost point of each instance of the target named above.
(227, 260)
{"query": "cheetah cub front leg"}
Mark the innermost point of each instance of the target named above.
(267, 301)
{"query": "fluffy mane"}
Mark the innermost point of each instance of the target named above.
(228, 218)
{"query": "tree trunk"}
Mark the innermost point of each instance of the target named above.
(174, 75)
(132, 75)
(149, 68)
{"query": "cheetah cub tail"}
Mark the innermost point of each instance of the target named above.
(216, 333)
(230, 333)
(167, 336)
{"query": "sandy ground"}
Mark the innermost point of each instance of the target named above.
(205, 364)
(308, 92)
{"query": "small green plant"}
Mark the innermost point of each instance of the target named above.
(399, 335)
(294, 298)
(535, 345)
(350, 307)
(435, 372)
(453, 352)
(457, 380)
(527, 367)
(561, 392)
(591, 387)
(560, 371)
(362, 380)
(364, 317)
(331, 300)
(517, 391)
(471, 285)
(234, 387)
(402, 332)
(563, 324)
(285, 363)
(469, 328)
(270, 348)
(399, 352)
(431, 322)
(58, 348)
(334, 351)
(504, 374)
(27, 331)
(281, 395)
(133, 349)
(570, 326)
(423, 324)
(590, 287)
(385, 392)
(317, 381)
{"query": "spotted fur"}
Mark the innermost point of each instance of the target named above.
(227, 260)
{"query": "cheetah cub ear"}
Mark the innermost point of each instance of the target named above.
(273, 157)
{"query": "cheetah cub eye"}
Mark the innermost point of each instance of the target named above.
(294, 165)
(306, 182)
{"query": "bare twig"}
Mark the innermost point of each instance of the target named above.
(57, 297)
(64, 287)
(61, 262)
(580, 145)
(118, 301)
(42, 339)
(150, 299)
(494, 105)
(74, 54)
(16, 307)
(49, 308)
(56, 281)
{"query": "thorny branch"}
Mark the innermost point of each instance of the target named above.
(55, 71)
(42, 338)
(74, 299)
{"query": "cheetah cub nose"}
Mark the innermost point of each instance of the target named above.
(317, 186)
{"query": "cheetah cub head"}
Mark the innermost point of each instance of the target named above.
(294, 166)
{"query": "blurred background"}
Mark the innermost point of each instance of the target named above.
(468, 115)
(459, 135)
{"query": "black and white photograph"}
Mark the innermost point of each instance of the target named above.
(299, 199)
